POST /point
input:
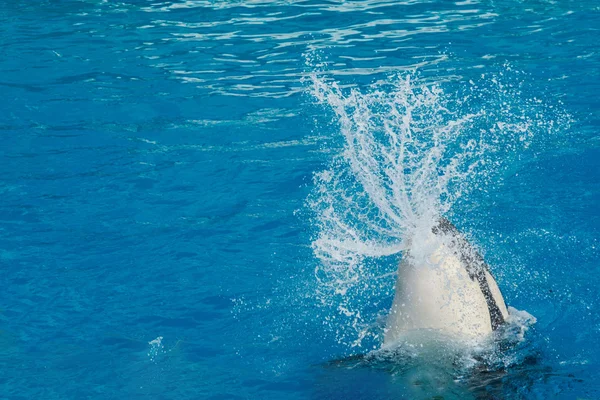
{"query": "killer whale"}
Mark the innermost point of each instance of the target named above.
(445, 291)
(448, 287)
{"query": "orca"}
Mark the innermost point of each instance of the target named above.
(444, 284)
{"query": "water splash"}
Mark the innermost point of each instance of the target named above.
(157, 348)
(396, 169)
(410, 152)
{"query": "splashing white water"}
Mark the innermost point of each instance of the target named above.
(410, 151)
(397, 168)
(156, 348)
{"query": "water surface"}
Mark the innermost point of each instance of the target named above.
(158, 223)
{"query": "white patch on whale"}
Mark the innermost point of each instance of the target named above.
(442, 285)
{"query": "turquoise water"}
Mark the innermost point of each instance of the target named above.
(177, 179)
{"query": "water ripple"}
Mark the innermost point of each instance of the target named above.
(262, 42)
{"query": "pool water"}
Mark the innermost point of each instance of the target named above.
(200, 198)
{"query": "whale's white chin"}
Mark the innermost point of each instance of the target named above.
(441, 287)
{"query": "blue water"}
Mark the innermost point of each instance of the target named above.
(160, 215)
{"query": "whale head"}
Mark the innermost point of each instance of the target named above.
(444, 285)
